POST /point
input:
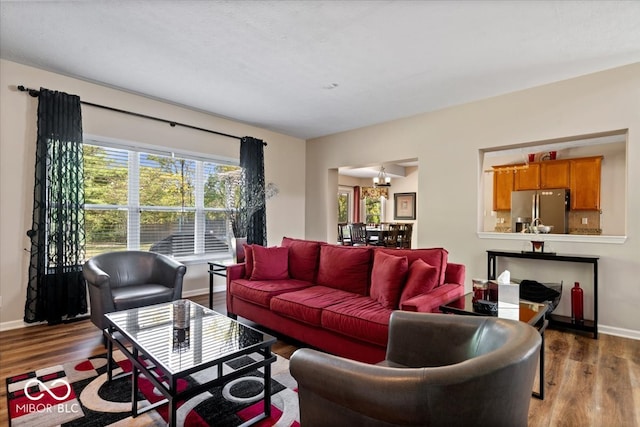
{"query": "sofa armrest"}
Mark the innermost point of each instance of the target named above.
(234, 272)
(455, 273)
(431, 302)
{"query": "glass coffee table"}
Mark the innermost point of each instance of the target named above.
(182, 338)
(533, 313)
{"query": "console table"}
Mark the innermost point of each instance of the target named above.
(555, 319)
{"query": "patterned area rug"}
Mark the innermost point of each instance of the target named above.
(77, 394)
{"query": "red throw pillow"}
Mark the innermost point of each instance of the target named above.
(303, 258)
(344, 267)
(248, 260)
(422, 278)
(388, 276)
(270, 263)
(436, 257)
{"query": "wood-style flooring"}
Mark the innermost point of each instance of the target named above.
(587, 382)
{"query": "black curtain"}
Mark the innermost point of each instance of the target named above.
(56, 288)
(252, 163)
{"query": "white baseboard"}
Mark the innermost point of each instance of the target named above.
(619, 332)
(15, 324)
(203, 291)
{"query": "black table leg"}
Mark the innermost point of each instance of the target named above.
(210, 286)
(540, 393)
(134, 385)
(106, 332)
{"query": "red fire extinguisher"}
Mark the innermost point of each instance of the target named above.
(577, 303)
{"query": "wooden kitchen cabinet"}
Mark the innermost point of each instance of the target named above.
(502, 188)
(527, 178)
(581, 176)
(585, 183)
(555, 174)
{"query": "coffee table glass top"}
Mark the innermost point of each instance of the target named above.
(529, 312)
(184, 335)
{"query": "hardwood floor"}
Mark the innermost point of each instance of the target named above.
(587, 382)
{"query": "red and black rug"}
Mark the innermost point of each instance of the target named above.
(78, 394)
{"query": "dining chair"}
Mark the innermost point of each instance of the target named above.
(373, 234)
(383, 230)
(391, 236)
(358, 234)
(344, 234)
(404, 235)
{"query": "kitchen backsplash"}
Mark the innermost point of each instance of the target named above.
(576, 226)
(592, 226)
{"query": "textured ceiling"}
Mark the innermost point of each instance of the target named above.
(273, 64)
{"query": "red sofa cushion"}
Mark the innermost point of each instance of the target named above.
(361, 318)
(260, 293)
(436, 257)
(387, 278)
(422, 278)
(345, 268)
(270, 263)
(306, 305)
(303, 258)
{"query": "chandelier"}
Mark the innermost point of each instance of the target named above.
(382, 180)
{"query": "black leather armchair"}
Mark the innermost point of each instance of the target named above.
(440, 370)
(128, 279)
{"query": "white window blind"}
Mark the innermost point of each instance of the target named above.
(166, 203)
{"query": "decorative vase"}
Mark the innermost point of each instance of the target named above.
(537, 246)
(237, 248)
(577, 303)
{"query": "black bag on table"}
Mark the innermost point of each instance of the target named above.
(531, 290)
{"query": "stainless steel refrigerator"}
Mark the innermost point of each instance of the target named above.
(549, 206)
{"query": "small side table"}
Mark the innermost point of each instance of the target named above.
(217, 268)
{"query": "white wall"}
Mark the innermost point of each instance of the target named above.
(284, 165)
(450, 185)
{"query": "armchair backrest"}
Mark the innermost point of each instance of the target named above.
(426, 339)
(129, 267)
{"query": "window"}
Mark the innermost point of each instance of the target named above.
(374, 204)
(373, 210)
(344, 204)
(163, 202)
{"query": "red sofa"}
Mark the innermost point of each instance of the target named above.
(339, 298)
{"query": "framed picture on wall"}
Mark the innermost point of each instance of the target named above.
(404, 206)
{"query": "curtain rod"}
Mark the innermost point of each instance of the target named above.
(34, 93)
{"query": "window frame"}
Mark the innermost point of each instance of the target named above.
(348, 191)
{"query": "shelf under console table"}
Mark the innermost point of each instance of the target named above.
(555, 319)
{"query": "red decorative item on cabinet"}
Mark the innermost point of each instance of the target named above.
(577, 303)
